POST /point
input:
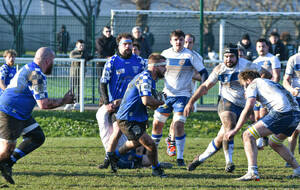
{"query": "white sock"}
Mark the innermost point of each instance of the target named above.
(259, 142)
(229, 152)
(156, 138)
(210, 150)
(253, 169)
(297, 171)
(180, 143)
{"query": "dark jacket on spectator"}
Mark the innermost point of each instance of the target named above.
(279, 49)
(145, 47)
(106, 47)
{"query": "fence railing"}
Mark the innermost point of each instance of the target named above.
(87, 87)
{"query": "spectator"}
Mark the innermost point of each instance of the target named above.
(79, 53)
(145, 46)
(148, 35)
(136, 49)
(106, 45)
(277, 48)
(63, 39)
(208, 41)
(249, 49)
(290, 49)
(8, 70)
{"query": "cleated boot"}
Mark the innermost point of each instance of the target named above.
(113, 159)
(194, 164)
(230, 167)
(6, 172)
(249, 176)
(180, 162)
(158, 172)
(105, 164)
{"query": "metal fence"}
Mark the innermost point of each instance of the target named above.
(59, 82)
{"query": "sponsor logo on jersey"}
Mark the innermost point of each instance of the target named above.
(135, 69)
(181, 62)
(120, 71)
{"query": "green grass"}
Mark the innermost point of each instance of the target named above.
(70, 163)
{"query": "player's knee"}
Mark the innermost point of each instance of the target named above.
(158, 117)
(37, 136)
(274, 142)
(251, 132)
(179, 118)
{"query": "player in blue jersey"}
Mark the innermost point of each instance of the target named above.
(27, 88)
(8, 70)
(230, 104)
(118, 71)
(281, 121)
(132, 116)
(181, 65)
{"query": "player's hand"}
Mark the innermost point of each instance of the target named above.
(188, 109)
(69, 98)
(295, 91)
(110, 107)
(229, 135)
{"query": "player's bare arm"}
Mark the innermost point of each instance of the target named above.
(201, 91)
(48, 103)
(287, 85)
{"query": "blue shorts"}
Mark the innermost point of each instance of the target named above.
(225, 105)
(284, 123)
(176, 104)
(257, 106)
(127, 160)
(298, 100)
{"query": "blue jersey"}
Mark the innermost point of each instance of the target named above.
(119, 72)
(27, 86)
(6, 74)
(132, 107)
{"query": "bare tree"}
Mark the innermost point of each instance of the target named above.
(83, 11)
(141, 19)
(294, 6)
(266, 22)
(208, 5)
(13, 17)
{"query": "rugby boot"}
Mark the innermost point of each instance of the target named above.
(194, 164)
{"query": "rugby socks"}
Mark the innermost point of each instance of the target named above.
(253, 169)
(156, 138)
(228, 150)
(259, 142)
(180, 143)
(154, 167)
(17, 154)
(210, 150)
(118, 153)
(297, 171)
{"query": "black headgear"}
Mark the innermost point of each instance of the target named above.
(231, 48)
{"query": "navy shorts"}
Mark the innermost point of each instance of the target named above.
(282, 122)
(225, 105)
(176, 104)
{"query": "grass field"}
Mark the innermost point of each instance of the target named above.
(70, 163)
(72, 150)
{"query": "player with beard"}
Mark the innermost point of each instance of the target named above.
(272, 64)
(132, 116)
(27, 88)
(230, 104)
(118, 71)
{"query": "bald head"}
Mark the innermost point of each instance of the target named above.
(44, 58)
